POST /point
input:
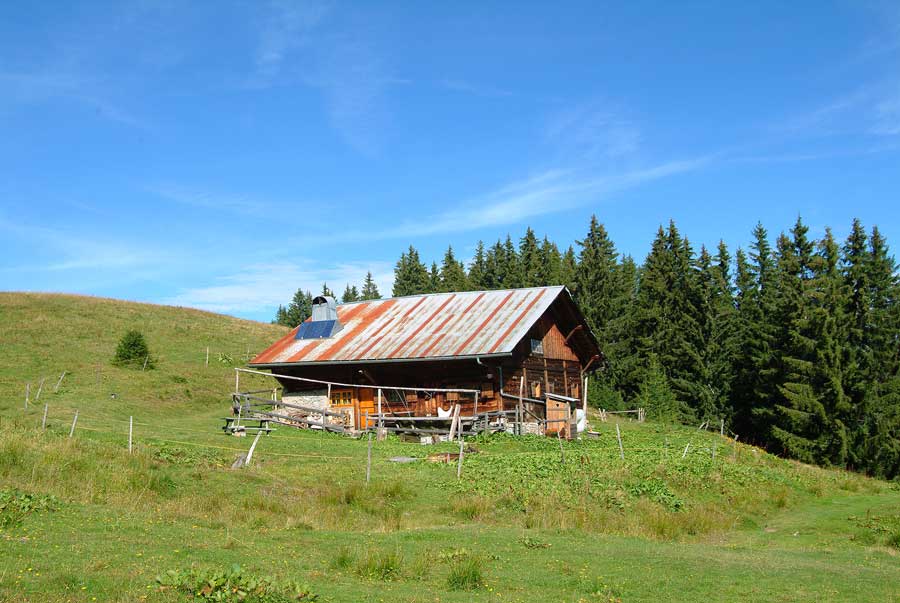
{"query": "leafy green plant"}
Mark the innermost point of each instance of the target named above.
(233, 585)
(466, 573)
(133, 351)
(377, 564)
(533, 543)
(15, 505)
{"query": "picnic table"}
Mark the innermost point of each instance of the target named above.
(235, 424)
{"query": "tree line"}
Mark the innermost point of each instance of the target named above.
(796, 346)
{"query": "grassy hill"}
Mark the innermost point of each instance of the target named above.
(83, 520)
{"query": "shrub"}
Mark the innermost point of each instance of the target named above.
(15, 505)
(380, 565)
(466, 573)
(132, 350)
(234, 585)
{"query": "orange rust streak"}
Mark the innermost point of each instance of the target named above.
(334, 348)
(483, 324)
(420, 327)
(276, 347)
(313, 344)
(436, 341)
(516, 321)
(350, 314)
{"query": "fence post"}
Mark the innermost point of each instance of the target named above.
(721, 427)
(40, 389)
(237, 380)
(562, 454)
(145, 362)
(369, 458)
(684, 454)
(44, 419)
(619, 438)
(75, 420)
(459, 464)
(207, 355)
(58, 383)
(130, 430)
(252, 447)
(521, 406)
(27, 394)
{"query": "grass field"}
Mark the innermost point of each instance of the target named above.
(82, 520)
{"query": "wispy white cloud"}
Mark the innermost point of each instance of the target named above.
(285, 28)
(549, 192)
(593, 131)
(465, 86)
(228, 202)
(306, 43)
(83, 253)
(263, 286)
(33, 87)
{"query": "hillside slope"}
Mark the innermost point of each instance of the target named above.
(687, 515)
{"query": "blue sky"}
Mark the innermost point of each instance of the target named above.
(220, 155)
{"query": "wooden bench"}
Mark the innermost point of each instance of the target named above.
(231, 428)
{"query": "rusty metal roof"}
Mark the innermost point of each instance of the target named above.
(437, 325)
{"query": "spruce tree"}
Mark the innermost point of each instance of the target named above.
(550, 264)
(511, 275)
(297, 311)
(569, 270)
(410, 275)
(434, 279)
(350, 294)
(478, 276)
(452, 274)
(530, 261)
(369, 288)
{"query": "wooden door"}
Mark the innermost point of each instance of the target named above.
(559, 412)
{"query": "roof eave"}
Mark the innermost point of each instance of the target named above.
(270, 365)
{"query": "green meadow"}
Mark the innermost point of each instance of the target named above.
(687, 515)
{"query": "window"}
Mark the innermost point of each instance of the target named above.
(537, 346)
(341, 397)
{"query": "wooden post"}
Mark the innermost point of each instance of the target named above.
(207, 355)
(454, 422)
(584, 398)
(367, 420)
(40, 389)
(380, 418)
(369, 456)
(27, 394)
(475, 412)
(521, 405)
(459, 464)
(684, 454)
(619, 438)
(252, 447)
(44, 419)
(562, 454)
(75, 420)
(721, 427)
(237, 381)
(145, 362)
(58, 383)
(130, 431)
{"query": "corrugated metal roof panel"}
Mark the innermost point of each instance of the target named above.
(438, 325)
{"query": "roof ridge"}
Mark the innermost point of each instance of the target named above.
(508, 289)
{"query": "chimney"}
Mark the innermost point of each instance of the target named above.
(324, 322)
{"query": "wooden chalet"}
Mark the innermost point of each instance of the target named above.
(524, 350)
